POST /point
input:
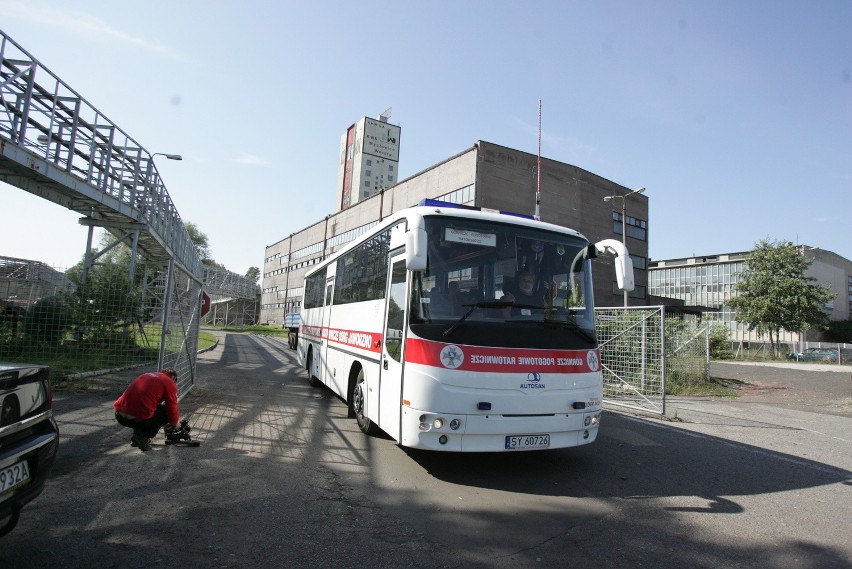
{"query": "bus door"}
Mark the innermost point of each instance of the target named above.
(390, 389)
(326, 318)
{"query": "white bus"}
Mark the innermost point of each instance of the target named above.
(422, 328)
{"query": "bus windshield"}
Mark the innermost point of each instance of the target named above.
(498, 284)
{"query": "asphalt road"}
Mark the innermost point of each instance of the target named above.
(283, 479)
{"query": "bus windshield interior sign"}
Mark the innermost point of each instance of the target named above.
(470, 237)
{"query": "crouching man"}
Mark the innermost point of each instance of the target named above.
(148, 404)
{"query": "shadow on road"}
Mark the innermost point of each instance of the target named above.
(284, 479)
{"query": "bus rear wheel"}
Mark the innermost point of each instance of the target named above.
(312, 380)
(357, 406)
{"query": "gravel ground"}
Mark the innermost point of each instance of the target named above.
(791, 385)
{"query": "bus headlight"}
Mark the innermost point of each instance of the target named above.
(455, 424)
(438, 423)
(589, 420)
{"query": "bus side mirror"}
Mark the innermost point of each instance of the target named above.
(415, 247)
(624, 273)
(623, 262)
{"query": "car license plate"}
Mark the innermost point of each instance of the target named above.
(13, 476)
(516, 442)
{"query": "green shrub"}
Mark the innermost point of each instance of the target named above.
(720, 342)
(49, 320)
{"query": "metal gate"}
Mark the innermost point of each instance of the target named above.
(645, 349)
(632, 357)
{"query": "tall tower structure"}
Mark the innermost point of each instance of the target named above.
(369, 159)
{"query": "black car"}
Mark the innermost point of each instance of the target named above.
(29, 437)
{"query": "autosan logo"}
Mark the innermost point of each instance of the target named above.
(533, 381)
(452, 356)
(592, 360)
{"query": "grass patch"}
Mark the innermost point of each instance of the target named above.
(261, 329)
(71, 358)
(712, 387)
(205, 340)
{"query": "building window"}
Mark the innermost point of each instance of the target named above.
(366, 183)
(390, 178)
(369, 162)
(368, 172)
(636, 228)
(390, 167)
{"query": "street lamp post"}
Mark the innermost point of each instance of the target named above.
(624, 220)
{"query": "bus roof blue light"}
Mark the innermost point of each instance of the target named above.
(428, 202)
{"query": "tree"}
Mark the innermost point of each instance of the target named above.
(202, 245)
(774, 294)
(253, 273)
(199, 239)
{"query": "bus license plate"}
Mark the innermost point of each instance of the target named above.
(13, 476)
(516, 442)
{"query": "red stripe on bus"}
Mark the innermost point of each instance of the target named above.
(500, 360)
(352, 338)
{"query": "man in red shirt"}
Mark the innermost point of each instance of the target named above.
(148, 404)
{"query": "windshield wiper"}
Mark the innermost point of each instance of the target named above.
(487, 304)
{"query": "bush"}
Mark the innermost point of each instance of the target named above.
(49, 320)
(720, 342)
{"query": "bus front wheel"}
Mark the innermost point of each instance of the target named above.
(357, 406)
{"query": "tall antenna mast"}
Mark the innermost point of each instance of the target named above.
(538, 174)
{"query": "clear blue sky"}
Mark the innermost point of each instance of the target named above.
(736, 116)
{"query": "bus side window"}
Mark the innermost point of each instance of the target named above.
(396, 312)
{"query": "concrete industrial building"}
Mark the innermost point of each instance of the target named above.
(485, 175)
(708, 283)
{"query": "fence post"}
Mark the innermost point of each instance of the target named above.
(644, 354)
(707, 351)
(167, 304)
(663, 354)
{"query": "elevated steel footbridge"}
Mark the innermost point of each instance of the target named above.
(56, 145)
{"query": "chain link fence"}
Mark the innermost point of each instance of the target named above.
(106, 317)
